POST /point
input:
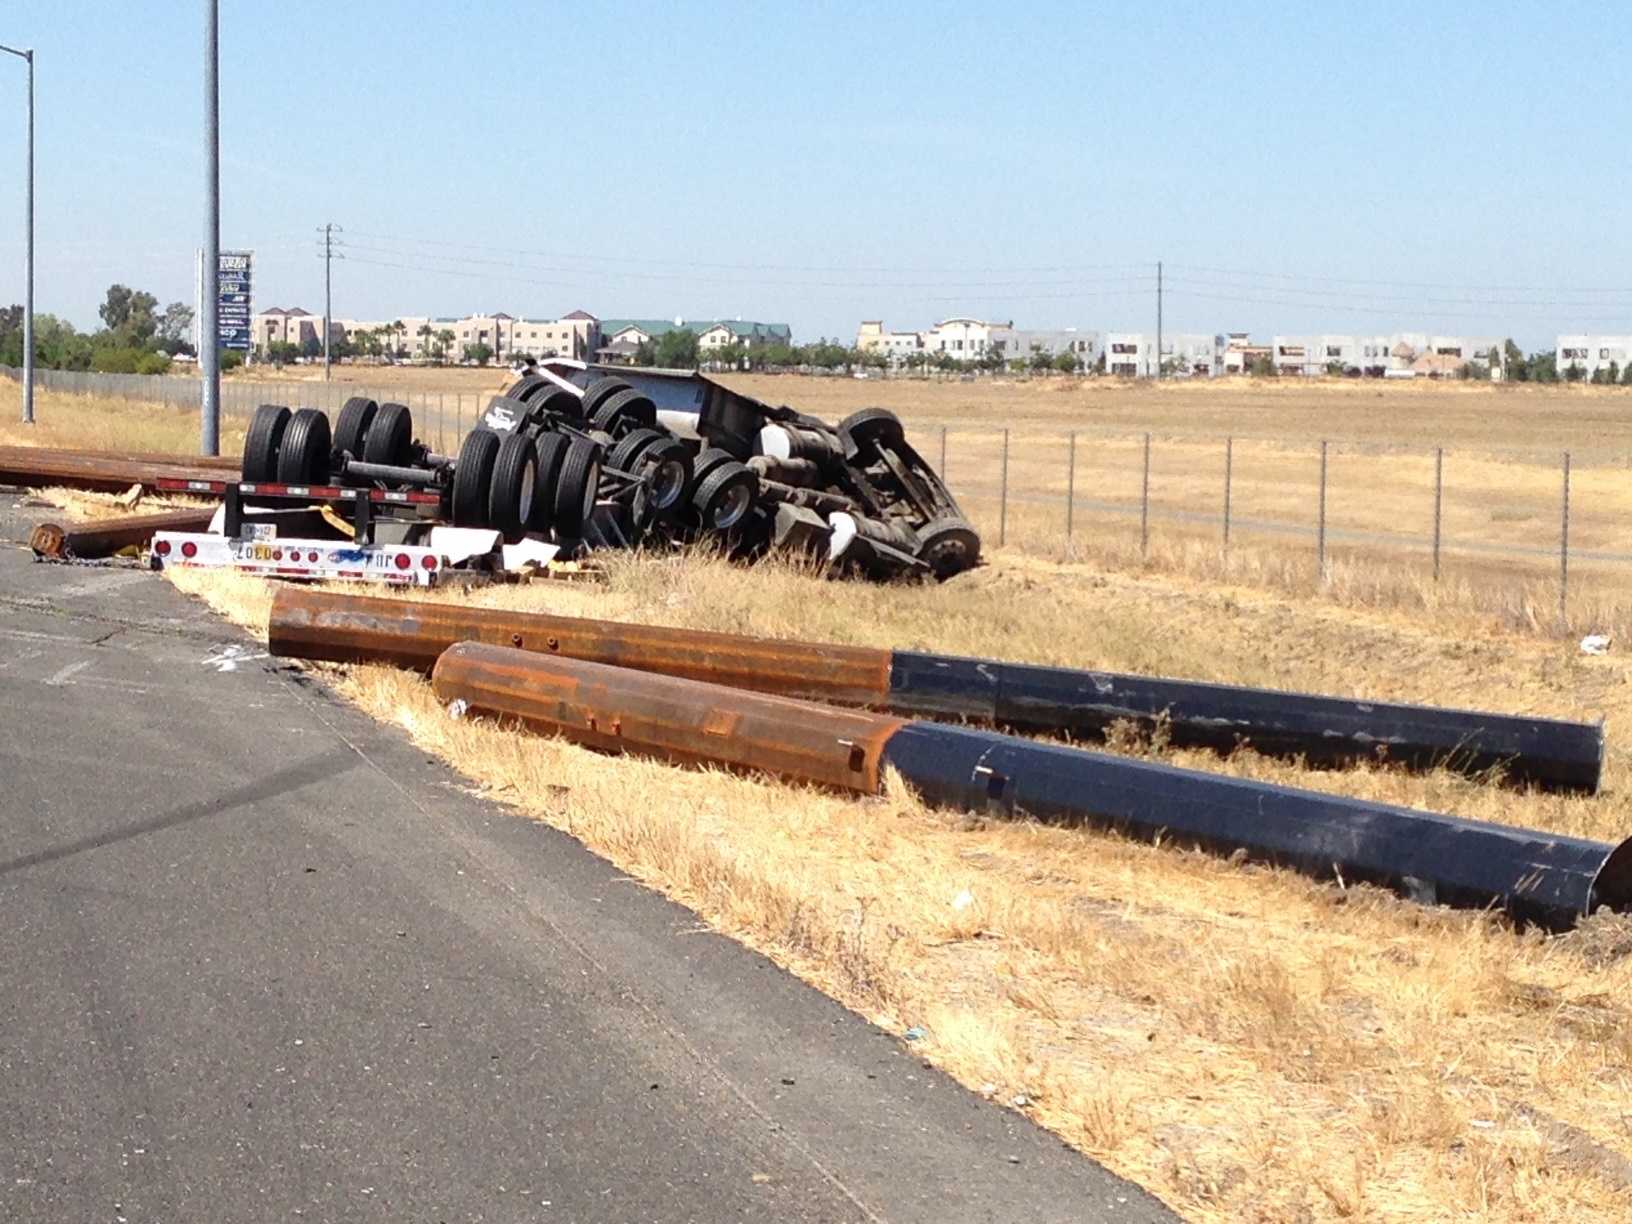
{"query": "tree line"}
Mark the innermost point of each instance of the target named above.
(136, 337)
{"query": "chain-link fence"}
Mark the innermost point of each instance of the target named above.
(1437, 513)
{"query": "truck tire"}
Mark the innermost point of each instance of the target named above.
(390, 436)
(598, 392)
(303, 458)
(948, 546)
(576, 487)
(526, 387)
(725, 497)
(514, 486)
(472, 474)
(351, 426)
(623, 411)
(558, 402)
(552, 452)
(705, 463)
(625, 456)
(862, 431)
(666, 465)
(266, 430)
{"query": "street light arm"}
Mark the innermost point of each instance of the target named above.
(26, 53)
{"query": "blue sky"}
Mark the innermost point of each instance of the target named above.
(1310, 166)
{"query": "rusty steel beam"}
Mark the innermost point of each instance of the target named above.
(314, 624)
(33, 466)
(613, 708)
(105, 537)
(1538, 877)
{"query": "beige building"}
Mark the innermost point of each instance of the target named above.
(423, 337)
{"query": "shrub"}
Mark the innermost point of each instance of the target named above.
(153, 363)
(231, 359)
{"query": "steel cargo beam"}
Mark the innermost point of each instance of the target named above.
(33, 466)
(1330, 730)
(107, 536)
(1538, 877)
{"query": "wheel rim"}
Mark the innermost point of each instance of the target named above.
(668, 484)
(732, 506)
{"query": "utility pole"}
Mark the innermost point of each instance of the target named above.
(27, 55)
(1158, 318)
(328, 231)
(209, 331)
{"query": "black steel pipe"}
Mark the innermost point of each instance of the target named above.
(1544, 878)
(1548, 752)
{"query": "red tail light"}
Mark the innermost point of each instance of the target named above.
(429, 562)
(189, 549)
(312, 556)
(162, 547)
(403, 561)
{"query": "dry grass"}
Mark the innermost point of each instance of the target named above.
(97, 423)
(1249, 1044)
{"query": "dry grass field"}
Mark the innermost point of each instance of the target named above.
(1247, 1043)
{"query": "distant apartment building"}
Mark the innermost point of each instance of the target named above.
(1590, 354)
(962, 339)
(1241, 355)
(420, 337)
(1183, 354)
(897, 346)
(1024, 343)
(625, 335)
(279, 326)
(966, 339)
(1400, 355)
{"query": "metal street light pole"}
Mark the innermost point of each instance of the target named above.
(209, 330)
(27, 54)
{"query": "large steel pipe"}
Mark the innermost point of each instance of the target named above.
(342, 628)
(1539, 877)
(615, 708)
(105, 537)
(38, 466)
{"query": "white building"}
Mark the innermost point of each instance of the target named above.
(1593, 353)
(897, 346)
(1023, 343)
(1184, 354)
(1400, 354)
(962, 339)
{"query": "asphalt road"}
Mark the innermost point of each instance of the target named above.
(260, 959)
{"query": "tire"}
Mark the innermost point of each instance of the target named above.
(666, 466)
(266, 430)
(303, 458)
(725, 497)
(390, 437)
(705, 463)
(351, 426)
(552, 453)
(598, 392)
(472, 474)
(625, 410)
(526, 387)
(948, 546)
(558, 402)
(514, 486)
(576, 487)
(625, 456)
(862, 431)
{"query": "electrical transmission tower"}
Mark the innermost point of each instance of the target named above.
(329, 256)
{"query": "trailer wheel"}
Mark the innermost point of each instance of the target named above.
(667, 466)
(948, 546)
(625, 410)
(725, 497)
(558, 403)
(862, 431)
(576, 487)
(261, 443)
(303, 458)
(705, 463)
(598, 392)
(514, 486)
(351, 426)
(526, 387)
(626, 454)
(390, 436)
(552, 452)
(472, 474)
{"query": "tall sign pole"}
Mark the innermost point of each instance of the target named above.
(1158, 318)
(209, 333)
(27, 55)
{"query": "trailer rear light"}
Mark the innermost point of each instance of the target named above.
(429, 562)
(312, 556)
(162, 547)
(403, 561)
(189, 549)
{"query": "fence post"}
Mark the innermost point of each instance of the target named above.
(1564, 549)
(1003, 500)
(1320, 539)
(1144, 505)
(1439, 498)
(1229, 472)
(1071, 484)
